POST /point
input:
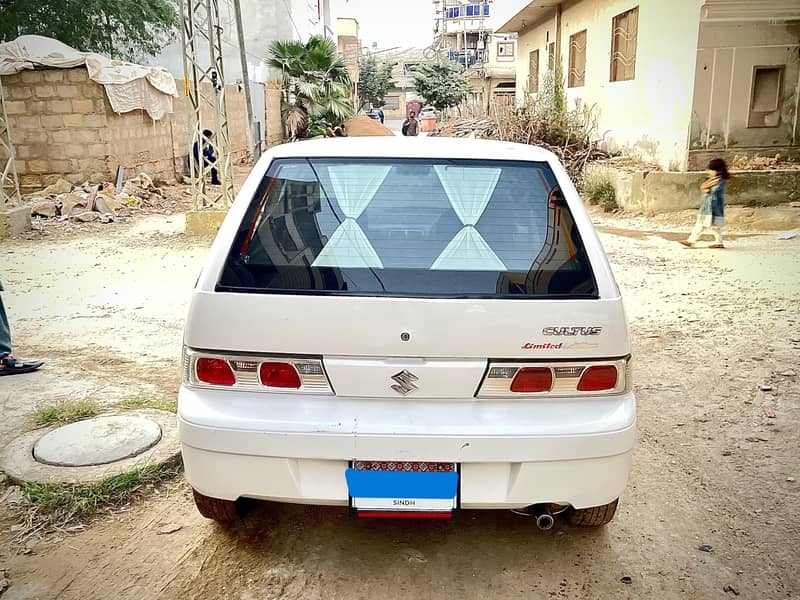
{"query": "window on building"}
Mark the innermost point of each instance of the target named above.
(469, 10)
(533, 72)
(577, 60)
(505, 48)
(623, 45)
(551, 56)
(765, 97)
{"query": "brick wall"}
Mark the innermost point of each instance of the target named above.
(62, 126)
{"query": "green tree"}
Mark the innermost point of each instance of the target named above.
(442, 83)
(374, 81)
(316, 84)
(124, 29)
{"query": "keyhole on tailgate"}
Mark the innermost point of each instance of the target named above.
(405, 336)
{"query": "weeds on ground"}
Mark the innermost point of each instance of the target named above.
(137, 403)
(48, 506)
(65, 412)
(601, 191)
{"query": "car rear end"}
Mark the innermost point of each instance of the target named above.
(408, 328)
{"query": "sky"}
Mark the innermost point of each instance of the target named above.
(393, 22)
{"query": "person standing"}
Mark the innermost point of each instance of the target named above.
(8, 364)
(411, 125)
(711, 217)
(209, 158)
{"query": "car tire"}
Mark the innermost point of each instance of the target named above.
(222, 511)
(594, 516)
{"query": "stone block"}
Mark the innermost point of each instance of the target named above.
(16, 107)
(36, 107)
(30, 182)
(96, 150)
(54, 75)
(62, 136)
(67, 91)
(31, 136)
(26, 122)
(83, 106)
(204, 223)
(44, 91)
(59, 106)
(94, 121)
(14, 221)
(61, 166)
(38, 166)
(78, 74)
(73, 120)
(23, 151)
(52, 121)
(19, 92)
(32, 76)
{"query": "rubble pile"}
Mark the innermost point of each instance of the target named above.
(571, 135)
(100, 202)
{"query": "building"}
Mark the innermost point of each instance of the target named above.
(673, 83)
(465, 32)
(350, 48)
(404, 63)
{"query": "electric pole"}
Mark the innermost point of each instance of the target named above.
(253, 137)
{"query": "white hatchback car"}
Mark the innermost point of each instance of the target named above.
(408, 327)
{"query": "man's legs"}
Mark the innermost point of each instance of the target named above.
(5, 331)
(215, 177)
(717, 233)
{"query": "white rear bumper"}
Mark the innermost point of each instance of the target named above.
(512, 453)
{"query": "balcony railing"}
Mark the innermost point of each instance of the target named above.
(468, 57)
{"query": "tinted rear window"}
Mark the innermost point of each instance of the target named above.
(427, 227)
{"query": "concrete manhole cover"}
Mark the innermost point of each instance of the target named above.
(97, 441)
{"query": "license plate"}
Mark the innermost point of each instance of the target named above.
(401, 488)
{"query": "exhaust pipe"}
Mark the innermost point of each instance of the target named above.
(542, 514)
(544, 520)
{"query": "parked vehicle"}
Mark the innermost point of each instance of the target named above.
(376, 114)
(428, 112)
(408, 327)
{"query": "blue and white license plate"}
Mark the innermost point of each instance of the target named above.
(386, 487)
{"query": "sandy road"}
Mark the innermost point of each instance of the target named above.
(709, 327)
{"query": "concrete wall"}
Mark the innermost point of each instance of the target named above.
(727, 54)
(62, 126)
(659, 192)
(648, 116)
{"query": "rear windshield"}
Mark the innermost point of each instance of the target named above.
(409, 227)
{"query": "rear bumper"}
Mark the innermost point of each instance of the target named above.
(512, 454)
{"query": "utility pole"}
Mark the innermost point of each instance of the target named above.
(253, 137)
(8, 167)
(204, 84)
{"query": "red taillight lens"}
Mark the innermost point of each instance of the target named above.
(279, 375)
(532, 379)
(598, 379)
(215, 371)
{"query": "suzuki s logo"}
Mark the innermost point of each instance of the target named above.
(405, 382)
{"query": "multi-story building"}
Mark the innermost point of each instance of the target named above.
(465, 31)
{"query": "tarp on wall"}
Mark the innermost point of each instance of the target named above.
(128, 86)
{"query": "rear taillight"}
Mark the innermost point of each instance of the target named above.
(532, 379)
(279, 375)
(567, 378)
(255, 373)
(598, 379)
(215, 371)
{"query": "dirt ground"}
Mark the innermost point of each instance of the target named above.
(104, 308)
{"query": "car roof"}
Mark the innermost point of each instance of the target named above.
(412, 147)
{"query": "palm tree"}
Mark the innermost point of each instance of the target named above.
(316, 83)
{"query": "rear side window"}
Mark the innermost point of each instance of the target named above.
(403, 227)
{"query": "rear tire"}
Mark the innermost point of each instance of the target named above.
(222, 511)
(594, 516)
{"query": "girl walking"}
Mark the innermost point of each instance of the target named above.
(712, 209)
